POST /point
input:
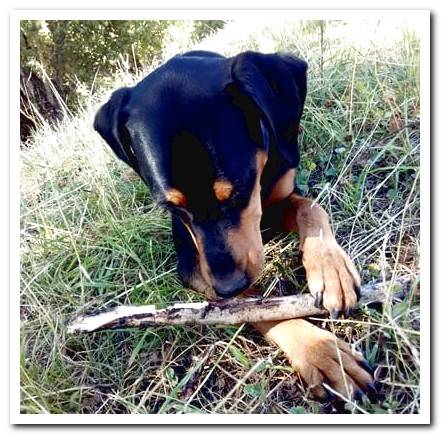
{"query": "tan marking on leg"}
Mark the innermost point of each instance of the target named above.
(315, 353)
(351, 268)
(306, 217)
(328, 268)
(359, 376)
(314, 275)
(333, 294)
(338, 378)
(347, 284)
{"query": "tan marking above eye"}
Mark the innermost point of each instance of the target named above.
(176, 197)
(222, 189)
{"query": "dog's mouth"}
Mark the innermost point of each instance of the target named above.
(232, 285)
(229, 263)
(226, 292)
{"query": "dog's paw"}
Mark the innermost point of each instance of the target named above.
(332, 277)
(321, 358)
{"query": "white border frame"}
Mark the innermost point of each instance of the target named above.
(423, 18)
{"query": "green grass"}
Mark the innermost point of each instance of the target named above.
(92, 238)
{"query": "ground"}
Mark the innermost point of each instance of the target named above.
(91, 237)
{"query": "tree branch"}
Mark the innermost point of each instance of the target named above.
(227, 311)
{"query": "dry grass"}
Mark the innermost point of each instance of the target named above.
(90, 237)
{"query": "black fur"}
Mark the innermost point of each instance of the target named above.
(202, 116)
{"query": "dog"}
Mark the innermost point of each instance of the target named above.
(216, 141)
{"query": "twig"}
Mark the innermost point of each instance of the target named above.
(227, 312)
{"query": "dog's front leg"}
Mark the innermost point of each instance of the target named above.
(316, 354)
(332, 277)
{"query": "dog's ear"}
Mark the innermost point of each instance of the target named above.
(109, 122)
(251, 80)
(277, 85)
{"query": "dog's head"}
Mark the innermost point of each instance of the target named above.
(199, 131)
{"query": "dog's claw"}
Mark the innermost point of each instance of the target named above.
(329, 396)
(358, 395)
(357, 292)
(318, 300)
(349, 312)
(371, 391)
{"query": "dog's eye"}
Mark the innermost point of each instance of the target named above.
(180, 212)
(236, 201)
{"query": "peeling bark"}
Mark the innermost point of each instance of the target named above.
(227, 311)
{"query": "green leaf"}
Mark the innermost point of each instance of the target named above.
(239, 356)
(371, 355)
(171, 376)
(392, 193)
(374, 269)
(331, 172)
(302, 177)
(309, 165)
(399, 309)
(137, 350)
(263, 366)
(376, 409)
(255, 390)
(315, 408)
(297, 410)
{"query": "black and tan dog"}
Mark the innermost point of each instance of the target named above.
(215, 139)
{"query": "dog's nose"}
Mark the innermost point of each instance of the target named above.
(231, 285)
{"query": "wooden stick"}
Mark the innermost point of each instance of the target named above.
(226, 312)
